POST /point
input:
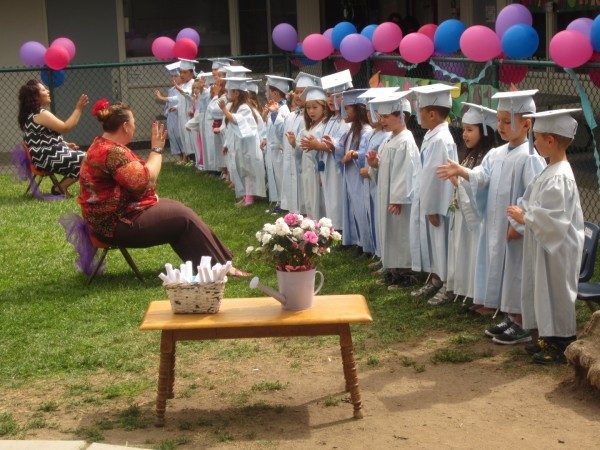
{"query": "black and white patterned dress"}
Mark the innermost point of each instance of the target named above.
(49, 151)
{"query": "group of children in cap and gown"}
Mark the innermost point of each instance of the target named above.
(501, 227)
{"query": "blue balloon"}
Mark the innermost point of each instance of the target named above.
(301, 58)
(340, 31)
(595, 33)
(368, 31)
(447, 36)
(520, 41)
(58, 77)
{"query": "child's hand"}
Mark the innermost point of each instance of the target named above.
(329, 142)
(516, 213)
(308, 143)
(512, 234)
(364, 172)
(216, 130)
(272, 106)
(449, 170)
(291, 137)
(454, 181)
(373, 158)
(396, 209)
(263, 144)
(222, 105)
(349, 156)
(434, 219)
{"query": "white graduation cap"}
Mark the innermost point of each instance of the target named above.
(436, 94)
(378, 92)
(207, 76)
(478, 114)
(252, 85)
(236, 70)
(238, 83)
(187, 64)
(558, 121)
(337, 82)
(305, 79)
(313, 93)
(351, 97)
(220, 62)
(173, 68)
(282, 83)
(393, 102)
(516, 102)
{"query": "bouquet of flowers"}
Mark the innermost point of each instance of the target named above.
(294, 243)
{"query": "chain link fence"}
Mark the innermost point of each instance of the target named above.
(134, 82)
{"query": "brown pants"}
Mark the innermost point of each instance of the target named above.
(171, 222)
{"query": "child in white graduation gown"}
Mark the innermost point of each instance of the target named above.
(393, 169)
(429, 215)
(497, 183)
(549, 216)
(170, 111)
(184, 106)
(214, 121)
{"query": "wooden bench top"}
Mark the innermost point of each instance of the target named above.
(260, 312)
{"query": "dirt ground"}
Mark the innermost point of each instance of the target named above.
(500, 401)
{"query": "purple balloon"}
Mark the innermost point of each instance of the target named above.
(189, 33)
(32, 54)
(327, 34)
(356, 47)
(511, 15)
(582, 25)
(285, 37)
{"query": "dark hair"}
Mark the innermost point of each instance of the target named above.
(29, 101)
(113, 116)
(308, 123)
(279, 91)
(360, 119)
(442, 111)
(242, 99)
(474, 156)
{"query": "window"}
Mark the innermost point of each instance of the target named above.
(145, 20)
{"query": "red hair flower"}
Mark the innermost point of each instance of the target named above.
(99, 106)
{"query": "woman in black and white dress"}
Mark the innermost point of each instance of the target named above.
(42, 132)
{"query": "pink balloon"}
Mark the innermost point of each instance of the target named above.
(387, 37)
(480, 43)
(570, 49)
(67, 44)
(327, 34)
(583, 25)
(317, 47)
(416, 48)
(185, 48)
(595, 73)
(341, 64)
(163, 48)
(56, 57)
(428, 30)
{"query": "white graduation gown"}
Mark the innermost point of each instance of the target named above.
(291, 183)
(497, 183)
(274, 151)
(243, 139)
(173, 133)
(311, 186)
(331, 176)
(398, 160)
(214, 142)
(429, 244)
(184, 108)
(552, 248)
(369, 240)
(196, 126)
(354, 214)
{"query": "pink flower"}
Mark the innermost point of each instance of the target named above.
(311, 237)
(290, 219)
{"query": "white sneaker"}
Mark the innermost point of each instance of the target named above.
(426, 290)
(440, 297)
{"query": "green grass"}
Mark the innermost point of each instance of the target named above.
(71, 331)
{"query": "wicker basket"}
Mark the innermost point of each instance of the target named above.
(204, 298)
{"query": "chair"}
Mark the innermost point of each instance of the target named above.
(98, 244)
(37, 175)
(586, 291)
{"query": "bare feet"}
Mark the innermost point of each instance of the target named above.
(237, 273)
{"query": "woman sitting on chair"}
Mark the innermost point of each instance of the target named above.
(118, 197)
(42, 133)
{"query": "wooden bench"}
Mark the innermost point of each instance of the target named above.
(256, 318)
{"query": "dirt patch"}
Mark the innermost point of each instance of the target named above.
(279, 400)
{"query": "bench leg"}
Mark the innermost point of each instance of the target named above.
(350, 371)
(166, 375)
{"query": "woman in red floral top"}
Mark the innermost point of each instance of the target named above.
(118, 196)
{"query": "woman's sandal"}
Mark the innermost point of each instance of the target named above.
(238, 273)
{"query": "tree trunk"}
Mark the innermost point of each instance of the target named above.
(584, 353)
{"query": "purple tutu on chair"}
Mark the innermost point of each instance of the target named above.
(78, 234)
(22, 172)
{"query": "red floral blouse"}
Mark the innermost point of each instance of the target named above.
(114, 185)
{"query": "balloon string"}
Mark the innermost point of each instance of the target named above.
(453, 76)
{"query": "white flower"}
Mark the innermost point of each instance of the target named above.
(269, 228)
(307, 224)
(315, 249)
(327, 250)
(266, 238)
(336, 236)
(298, 232)
(325, 222)
(259, 236)
(325, 232)
(278, 248)
(282, 229)
(279, 221)
(249, 250)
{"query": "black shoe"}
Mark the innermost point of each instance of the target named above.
(499, 329)
(550, 354)
(535, 347)
(514, 334)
